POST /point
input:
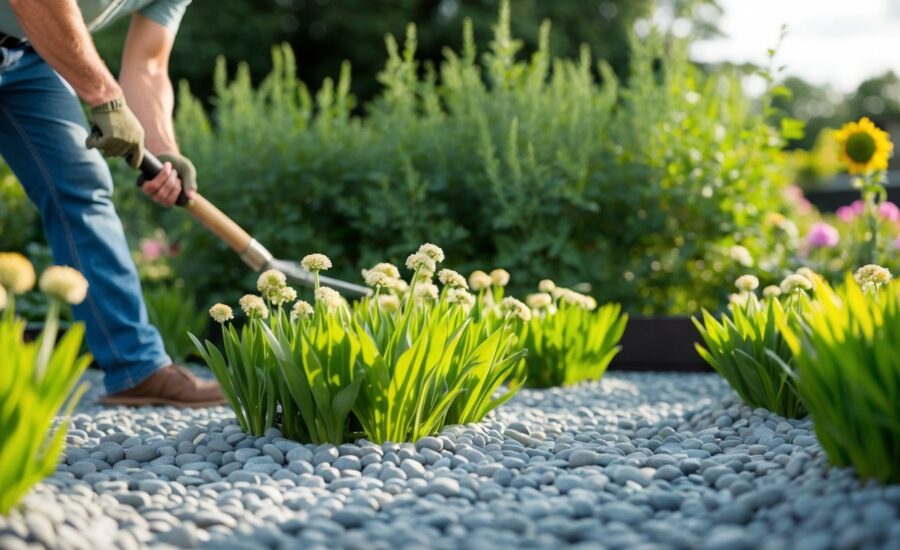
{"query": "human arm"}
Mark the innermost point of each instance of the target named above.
(57, 32)
(148, 89)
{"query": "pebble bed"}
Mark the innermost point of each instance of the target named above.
(638, 460)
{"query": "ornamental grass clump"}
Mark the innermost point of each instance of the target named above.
(847, 371)
(568, 338)
(395, 366)
(38, 378)
(746, 346)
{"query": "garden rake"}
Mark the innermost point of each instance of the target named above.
(249, 249)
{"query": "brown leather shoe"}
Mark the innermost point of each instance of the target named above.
(170, 386)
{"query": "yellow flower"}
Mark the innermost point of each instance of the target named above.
(64, 283)
(16, 272)
(864, 147)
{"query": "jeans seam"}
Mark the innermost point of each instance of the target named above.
(73, 249)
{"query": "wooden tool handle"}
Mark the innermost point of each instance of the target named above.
(219, 224)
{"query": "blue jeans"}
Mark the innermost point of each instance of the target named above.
(42, 133)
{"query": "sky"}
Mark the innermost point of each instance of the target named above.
(834, 42)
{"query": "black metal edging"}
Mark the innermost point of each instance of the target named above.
(660, 344)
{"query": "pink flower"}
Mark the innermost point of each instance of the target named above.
(795, 194)
(846, 214)
(897, 243)
(151, 249)
(889, 211)
(822, 235)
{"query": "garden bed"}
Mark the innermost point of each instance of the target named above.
(639, 458)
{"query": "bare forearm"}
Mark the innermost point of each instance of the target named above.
(149, 94)
(56, 30)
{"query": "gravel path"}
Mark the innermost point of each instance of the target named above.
(637, 460)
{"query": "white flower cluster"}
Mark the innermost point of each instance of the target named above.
(511, 306)
(871, 277)
(795, 283)
(16, 273)
(746, 283)
(64, 283)
(315, 262)
(452, 279)
(539, 300)
(221, 313)
(479, 280)
(254, 306)
(461, 298)
(329, 297)
(301, 310)
(272, 284)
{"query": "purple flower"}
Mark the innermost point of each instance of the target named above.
(822, 235)
(846, 214)
(889, 211)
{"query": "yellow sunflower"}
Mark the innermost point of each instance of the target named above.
(864, 147)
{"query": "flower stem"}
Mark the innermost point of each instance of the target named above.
(48, 339)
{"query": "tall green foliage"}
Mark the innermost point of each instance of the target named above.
(548, 167)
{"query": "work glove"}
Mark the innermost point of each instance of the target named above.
(185, 168)
(117, 132)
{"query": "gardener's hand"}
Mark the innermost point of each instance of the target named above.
(165, 187)
(185, 169)
(117, 132)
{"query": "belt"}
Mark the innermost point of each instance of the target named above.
(7, 41)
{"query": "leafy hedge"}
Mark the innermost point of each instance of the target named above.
(548, 167)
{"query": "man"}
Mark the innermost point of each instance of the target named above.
(48, 61)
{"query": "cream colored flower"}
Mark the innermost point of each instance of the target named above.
(539, 300)
(376, 279)
(16, 272)
(872, 275)
(461, 297)
(500, 277)
(739, 299)
(388, 302)
(301, 310)
(388, 269)
(746, 283)
(479, 280)
(329, 297)
(315, 262)
(451, 278)
(771, 291)
(399, 286)
(590, 303)
(2, 298)
(741, 255)
(426, 291)
(254, 306)
(546, 286)
(511, 306)
(810, 275)
(795, 283)
(285, 295)
(221, 313)
(271, 281)
(421, 262)
(433, 251)
(64, 283)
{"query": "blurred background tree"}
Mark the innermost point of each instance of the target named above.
(324, 33)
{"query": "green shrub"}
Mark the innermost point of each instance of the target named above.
(172, 309)
(547, 167)
(18, 218)
(397, 366)
(37, 380)
(748, 350)
(847, 356)
(568, 339)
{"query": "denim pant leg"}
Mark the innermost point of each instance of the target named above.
(42, 133)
